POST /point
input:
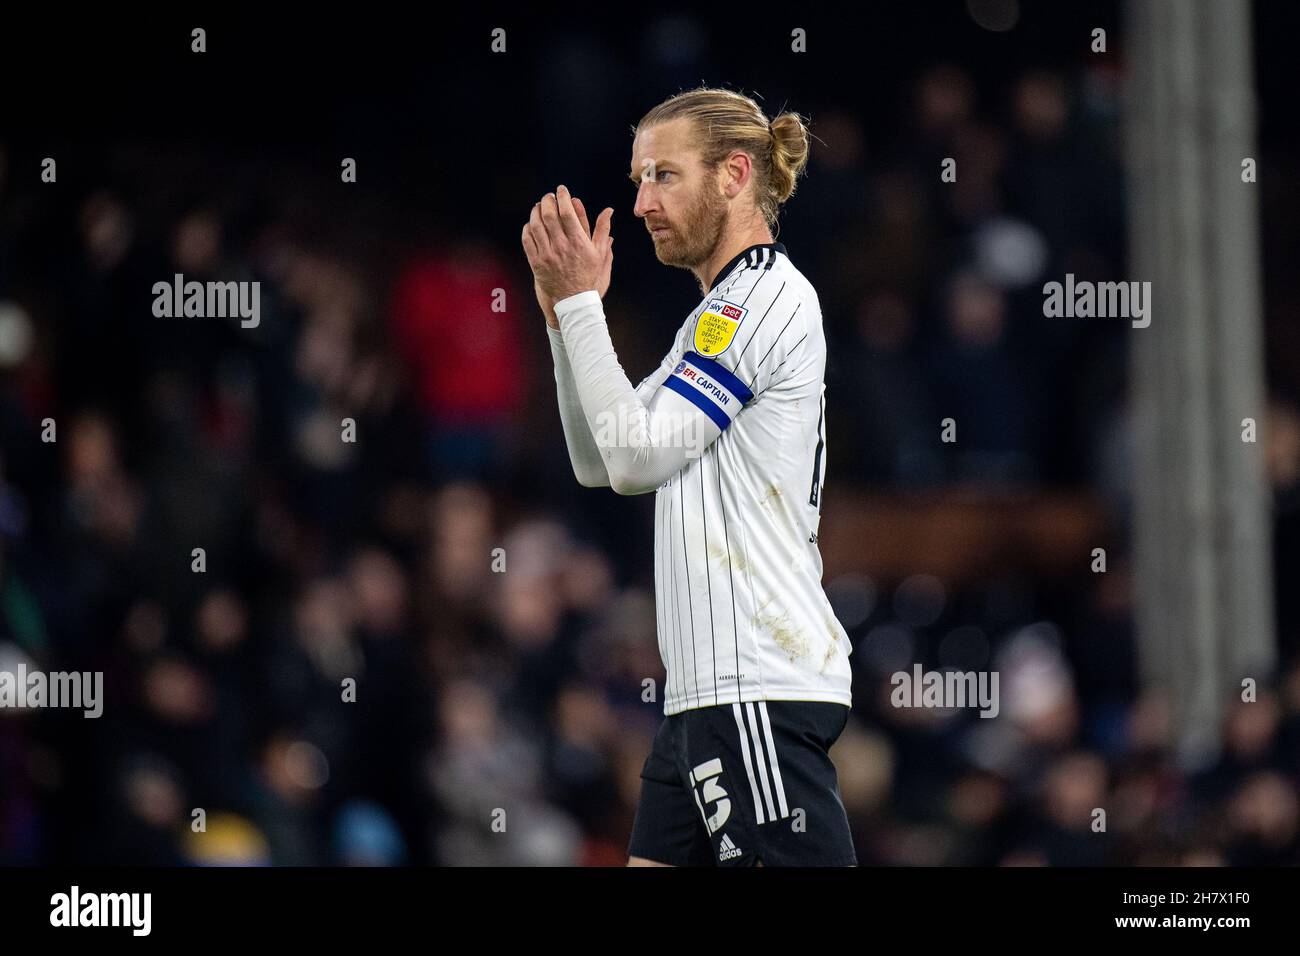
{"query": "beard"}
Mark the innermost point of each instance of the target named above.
(692, 242)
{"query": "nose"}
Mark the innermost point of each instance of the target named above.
(645, 199)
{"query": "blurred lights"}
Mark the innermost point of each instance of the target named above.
(16, 335)
(1010, 253)
(1035, 677)
(887, 648)
(307, 765)
(920, 600)
(996, 15)
(13, 658)
(852, 597)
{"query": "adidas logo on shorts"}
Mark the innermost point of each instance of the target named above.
(729, 849)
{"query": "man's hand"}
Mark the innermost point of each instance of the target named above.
(565, 255)
(607, 265)
(545, 301)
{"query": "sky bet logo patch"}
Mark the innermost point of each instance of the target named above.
(717, 326)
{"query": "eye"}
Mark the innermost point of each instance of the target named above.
(660, 174)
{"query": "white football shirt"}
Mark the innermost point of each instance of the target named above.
(740, 608)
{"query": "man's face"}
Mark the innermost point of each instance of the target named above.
(681, 202)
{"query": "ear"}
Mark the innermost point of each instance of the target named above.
(737, 170)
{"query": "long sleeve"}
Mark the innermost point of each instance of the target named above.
(588, 467)
(644, 436)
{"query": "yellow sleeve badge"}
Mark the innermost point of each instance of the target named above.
(717, 326)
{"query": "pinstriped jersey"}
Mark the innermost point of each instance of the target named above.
(740, 610)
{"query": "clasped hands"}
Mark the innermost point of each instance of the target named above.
(566, 256)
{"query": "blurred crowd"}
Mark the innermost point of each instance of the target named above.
(428, 645)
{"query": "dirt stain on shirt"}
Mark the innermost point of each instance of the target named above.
(790, 639)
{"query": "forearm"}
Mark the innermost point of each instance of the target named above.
(588, 467)
(640, 447)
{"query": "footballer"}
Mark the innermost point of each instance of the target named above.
(730, 433)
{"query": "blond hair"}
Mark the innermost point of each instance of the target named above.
(729, 121)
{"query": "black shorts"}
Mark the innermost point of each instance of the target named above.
(736, 784)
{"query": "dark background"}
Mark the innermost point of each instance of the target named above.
(372, 560)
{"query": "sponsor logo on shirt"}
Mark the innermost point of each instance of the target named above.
(717, 326)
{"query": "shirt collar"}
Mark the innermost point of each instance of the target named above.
(775, 246)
